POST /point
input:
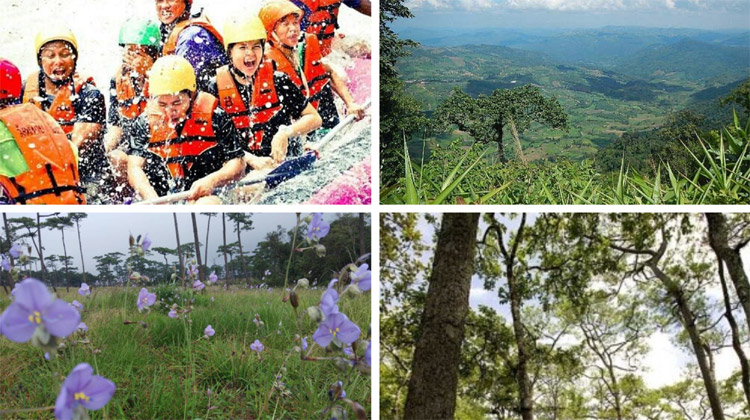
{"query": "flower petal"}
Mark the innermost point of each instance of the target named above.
(78, 378)
(63, 405)
(323, 335)
(33, 295)
(15, 325)
(348, 331)
(60, 318)
(99, 390)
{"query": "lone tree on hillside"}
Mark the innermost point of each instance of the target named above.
(485, 118)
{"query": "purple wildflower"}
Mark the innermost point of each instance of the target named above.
(328, 302)
(362, 277)
(4, 263)
(318, 228)
(15, 251)
(198, 285)
(209, 332)
(368, 354)
(78, 305)
(212, 278)
(336, 325)
(192, 270)
(83, 327)
(85, 290)
(82, 390)
(172, 313)
(257, 346)
(146, 244)
(304, 343)
(35, 307)
(145, 299)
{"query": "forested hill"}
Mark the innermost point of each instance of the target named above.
(688, 59)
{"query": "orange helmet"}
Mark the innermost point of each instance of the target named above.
(275, 10)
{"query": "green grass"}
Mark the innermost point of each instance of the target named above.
(151, 366)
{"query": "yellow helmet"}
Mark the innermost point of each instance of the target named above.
(170, 75)
(243, 30)
(55, 34)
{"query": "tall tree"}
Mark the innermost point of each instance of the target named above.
(487, 117)
(208, 227)
(9, 245)
(224, 249)
(181, 268)
(434, 378)
(201, 270)
(400, 114)
(718, 237)
(41, 248)
(643, 240)
(242, 222)
(77, 217)
(516, 294)
(61, 223)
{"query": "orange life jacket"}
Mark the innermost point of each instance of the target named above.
(62, 106)
(323, 21)
(52, 177)
(129, 102)
(264, 103)
(316, 77)
(180, 152)
(170, 45)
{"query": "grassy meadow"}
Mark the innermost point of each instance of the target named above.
(166, 368)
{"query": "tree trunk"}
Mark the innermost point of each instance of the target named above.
(201, 271)
(7, 238)
(688, 321)
(41, 250)
(179, 250)
(434, 377)
(65, 252)
(224, 235)
(208, 228)
(718, 237)
(499, 140)
(524, 354)
(80, 247)
(242, 256)
(736, 339)
(362, 234)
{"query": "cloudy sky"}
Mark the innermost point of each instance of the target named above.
(102, 233)
(664, 361)
(706, 14)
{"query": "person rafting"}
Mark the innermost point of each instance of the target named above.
(139, 40)
(299, 56)
(39, 164)
(321, 18)
(73, 100)
(267, 109)
(183, 141)
(192, 37)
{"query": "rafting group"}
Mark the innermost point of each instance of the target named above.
(191, 108)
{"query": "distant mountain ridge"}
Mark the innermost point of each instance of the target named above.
(603, 47)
